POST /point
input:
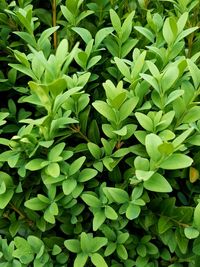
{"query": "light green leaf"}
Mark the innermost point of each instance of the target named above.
(35, 204)
(181, 138)
(191, 232)
(143, 175)
(87, 174)
(195, 72)
(152, 142)
(192, 115)
(176, 161)
(101, 35)
(99, 219)
(5, 198)
(127, 107)
(146, 32)
(110, 213)
(98, 260)
(170, 30)
(116, 195)
(91, 200)
(76, 165)
(197, 216)
(95, 150)
(55, 152)
(169, 77)
(105, 110)
(145, 121)
(124, 69)
(99, 242)
(116, 23)
(121, 132)
(157, 183)
(80, 260)
(68, 186)
(73, 245)
(83, 33)
(133, 211)
(34, 164)
(53, 169)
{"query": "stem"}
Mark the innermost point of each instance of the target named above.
(78, 131)
(17, 211)
(54, 23)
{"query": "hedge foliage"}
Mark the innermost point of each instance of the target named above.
(100, 133)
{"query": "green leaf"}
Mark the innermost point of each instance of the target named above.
(124, 69)
(157, 183)
(84, 34)
(73, 245)
(53, 169)
(146, 32)
(122, 252)
(98, 260)
(173, 96)
(101, 35)
(166, 149)
(164, 224)
(110, 249)
(35, 204)
(87, 174)
(152, 142)
(181, 138)
(192, 115)
(170, 30)
(151, 80)
(145, 121)
(95, 150)
(169, 77)
(5, 198)
(141, 163)
(23, 251)
(143, 175)
(99, 219)
(191, 232)
(48, 216)
(99, 242)
(195, 72)
(127, 107)
(116, 195)
(133, 211)
(110, 213)
(91, 200)
(116, 23)
(80, 260)
(34, 164)
(121, 132)
(69, 185)
(62, 52)
(197, 216)
(127, 27)
(86, 242)
(45, 35)
(55, 152)
(185, 33)
(105, 110)
(76, 165)
(176, 161)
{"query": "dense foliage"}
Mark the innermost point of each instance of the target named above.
(100, 133)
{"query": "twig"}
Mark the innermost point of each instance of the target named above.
(54, 23)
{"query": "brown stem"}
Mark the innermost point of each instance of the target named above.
(78, 131)
(17, 211)
(54, 23)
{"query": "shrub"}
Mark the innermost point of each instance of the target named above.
(100, 133)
